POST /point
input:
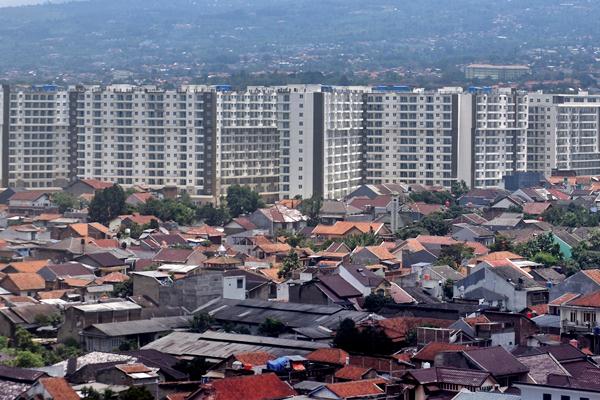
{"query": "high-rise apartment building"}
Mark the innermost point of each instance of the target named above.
(130, 135)
(291, 140)
(247, 141)
(37, 135)
(322, 143)
(413, 136)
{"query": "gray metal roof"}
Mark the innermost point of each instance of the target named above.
(220, 345)
(293, 315)
(127, 328)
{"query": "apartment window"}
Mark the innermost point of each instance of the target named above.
(546, 396)
(565, 397)
(240, 283)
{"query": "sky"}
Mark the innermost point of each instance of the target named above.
(8, 3)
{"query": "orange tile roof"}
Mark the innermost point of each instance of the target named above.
(357, 389)
(140, 219)
(397, 328)
(351, 372)
(290, 203)
(430, 350)
(593, 274)
(341, 228)
(381, 253)
(82, 229)
(441, 240)
(252, 387)
(59, 389)
(535, 208)
(76, 282)
(497, 255)
(29, 266)
(97, 184)
(47, 217)
(133, 368)
(204, 230)
(588, 300)
(329, 356)
(478, 248)
(113, 277)
(565, 298)
(106, 243)
(274, 247)
(540, 309)
(480, 319)
(26, 280)
(424, 208)
(254, 357)
(52, 294)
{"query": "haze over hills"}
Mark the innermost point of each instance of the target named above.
(202, 36)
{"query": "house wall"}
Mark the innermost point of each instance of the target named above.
(146, 286)
(537, 392)
(193, 291)
(577, 318)
(234, 287)
(308, 294)
(578, 283)
(78, 188)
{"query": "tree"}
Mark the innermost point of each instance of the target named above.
(364, 239)
(271, 327)
(369, 339)
(242, 200)
(375, 302)
(312, 209)
(194, 368)
(123, 289)
(213, 216)
(454, 255)
(201, 322)
(435, 224)
(458, 188)
(107, 204)
(411, 231)
(501, 243)
(27, 359)
(65, 201)
(541, 248)
(290, 264)
(136, 393)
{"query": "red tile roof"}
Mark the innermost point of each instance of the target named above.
(540, 309)
(29, 266)
(565, 298)
(254, 358)
(397, 328)
(96, 184)
(140, 219)
(441, 240)
(535, 208)
(593, 274)
(59, 389)
(253, 387)
(424, 208)
(26, 281)
(133, 368)
(113, 277)
(429, 352)
(28, 195)
(351, 372)
(341, 228)
(588, 300)
(357, 389)
(329, 356)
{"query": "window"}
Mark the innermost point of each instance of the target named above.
(546, 396)
(240, 283)
(565, 397)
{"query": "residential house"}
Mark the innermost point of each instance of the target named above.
(138, 198)
(252, 387)
(373, 255)
(431, 382)
(79, 317)
(50, 389)
(278, 218)
(342, 229)
(581, 282)
(23, 283)
(334, 210)
(179, 256)
(54, 274)
(92, 230)
(581, 314)
(103, 262)
(86, 186)
(31, 203)
(30, 317)
(14, 382)
(464, 232)
(502, 284)
(481, 198)
(505, 221)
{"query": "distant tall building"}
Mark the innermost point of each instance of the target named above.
(294, 140)
(322, 144)
(496, 72)
(38, 133)
(413, 136)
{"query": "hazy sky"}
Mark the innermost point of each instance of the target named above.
(6, 3)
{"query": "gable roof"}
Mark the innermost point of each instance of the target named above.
(357, 389)
(329, 356)
(59, 389)
(28, 266)
(341, 228)
(430, 350)
(254, 357)
(588, 300)
(535, 208)
(542, 365)
(82, 229)
(397, 328)
(593, 274)
(253, 387)
(173, 255)
(352, 372)
(563, 299)
(25, 281)
(496, 360)
(28, 195)
(465, 377)
(96, 184)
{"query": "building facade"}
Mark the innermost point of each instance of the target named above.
(294, 140)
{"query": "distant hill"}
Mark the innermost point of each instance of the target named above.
(215, 35)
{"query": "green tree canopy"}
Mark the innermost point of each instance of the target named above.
(271, 327)
(242, 200)
(290, 264)
(65, 201)
(312, 209)
(107, 204)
